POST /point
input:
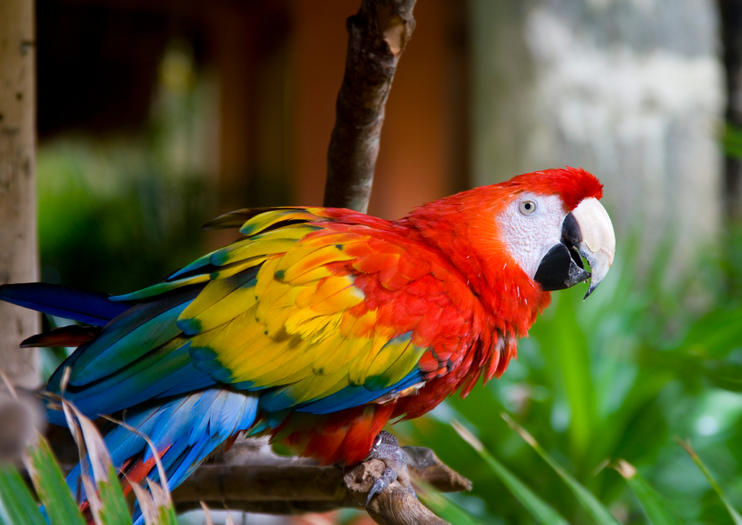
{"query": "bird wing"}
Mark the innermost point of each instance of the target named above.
(317, 309)
(338, 314)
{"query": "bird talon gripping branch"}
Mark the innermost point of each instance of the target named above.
(320, 325)
(386, 448)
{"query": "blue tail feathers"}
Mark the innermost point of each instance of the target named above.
(85, 307)
(184, 431)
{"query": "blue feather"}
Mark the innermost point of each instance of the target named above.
(161, 373)
(189, 427)
(53, 299)
(145, 327)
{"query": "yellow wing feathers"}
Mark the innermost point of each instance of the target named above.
(298, 321)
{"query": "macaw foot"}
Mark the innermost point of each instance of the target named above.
(387, 449)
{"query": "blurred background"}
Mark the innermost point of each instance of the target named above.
(155, 116)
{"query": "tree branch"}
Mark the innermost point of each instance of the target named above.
(377, 36)
(252, 478)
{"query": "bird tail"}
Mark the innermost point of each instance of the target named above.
(85, 307)
(183, 431)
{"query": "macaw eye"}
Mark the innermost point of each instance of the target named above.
(527, 207)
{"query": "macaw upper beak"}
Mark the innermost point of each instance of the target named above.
(587, 232)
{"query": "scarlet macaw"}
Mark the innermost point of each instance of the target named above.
(320, 325)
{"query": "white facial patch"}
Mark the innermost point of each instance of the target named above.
(530, 234)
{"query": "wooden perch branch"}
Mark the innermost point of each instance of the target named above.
(252, 478)
(377, 36)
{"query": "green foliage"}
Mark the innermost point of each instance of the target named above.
(731, 140)
(444, 508)
(537, 507)
(16, 502)
(50, 486)
(108, 222)
(736, 518)
(595, 510)
(658, 510)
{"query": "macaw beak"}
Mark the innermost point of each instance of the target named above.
(587, 232)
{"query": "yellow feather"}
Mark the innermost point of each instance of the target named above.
(218, 304)
(359, 369)
(301, 271)
(351, 350)
(245, 362)
(315, 387)
(275, 319)
(278, 360)
(312, 326)
(404, 364)
(331, 294)
(362, 326)
(307, 250)
(247, 250)
(386, 357)
(296, 322)
(276, 294)
(294, 367)
(234, 268)
(265, 220)
(265, 275)
(395, 360)
(215, 313)
(331, 324)
(227, 339)
(275, 241)
(343, 300)
(294, 231)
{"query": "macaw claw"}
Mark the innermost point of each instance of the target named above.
(381, 483)
(386, 448)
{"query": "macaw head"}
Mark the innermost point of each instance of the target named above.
(540, 224)
(552, 220)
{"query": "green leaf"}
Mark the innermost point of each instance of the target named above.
(657, 509)
(17, 505)
(736, 518)
(51, 487)
(569, 362)
(538, 508)
(443, 507)
(114, 509)
(732, 140)
(167, 516)
(590, 503)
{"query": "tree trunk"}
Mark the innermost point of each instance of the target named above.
(377, 36)
(18, 259)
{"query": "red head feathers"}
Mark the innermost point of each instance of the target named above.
(571, 184)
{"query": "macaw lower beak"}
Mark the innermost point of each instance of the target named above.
(587, 232)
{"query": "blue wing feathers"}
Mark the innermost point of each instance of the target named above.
(125, 342)
(156, 376)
